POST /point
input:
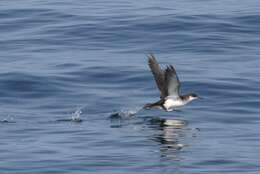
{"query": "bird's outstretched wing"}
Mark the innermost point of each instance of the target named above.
(172, 82)
(158, 74)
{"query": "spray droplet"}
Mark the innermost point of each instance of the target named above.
(76, 116)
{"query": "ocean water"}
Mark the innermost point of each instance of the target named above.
(74, 77)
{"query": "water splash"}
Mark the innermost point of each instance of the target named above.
(75, 117)
(8, 119)
(125, 114)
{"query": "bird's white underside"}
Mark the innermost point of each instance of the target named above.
(170, 104)
(173, 103)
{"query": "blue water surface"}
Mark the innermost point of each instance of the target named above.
(74, 76)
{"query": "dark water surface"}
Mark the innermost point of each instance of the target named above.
(67, 66)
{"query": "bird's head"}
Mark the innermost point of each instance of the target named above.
(192, 96)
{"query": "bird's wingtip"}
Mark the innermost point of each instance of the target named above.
(150, 55)
(151, 58)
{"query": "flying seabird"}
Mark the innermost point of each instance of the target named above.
(169, 85)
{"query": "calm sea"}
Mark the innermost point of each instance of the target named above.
(74, 76)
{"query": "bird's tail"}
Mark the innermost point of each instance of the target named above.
(158, 105)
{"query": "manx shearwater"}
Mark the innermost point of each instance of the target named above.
(169, 85)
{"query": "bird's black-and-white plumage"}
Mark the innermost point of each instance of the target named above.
(169, 85)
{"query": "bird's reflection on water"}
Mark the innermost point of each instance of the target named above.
(171, 134)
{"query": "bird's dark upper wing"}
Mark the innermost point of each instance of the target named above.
(158, 74)
(172, 82)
